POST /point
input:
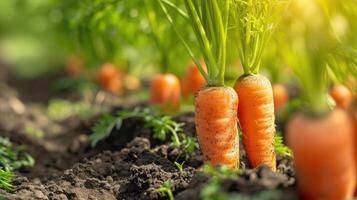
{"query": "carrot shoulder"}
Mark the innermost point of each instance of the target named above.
(256, 117)
(323, 153)
(216, 125)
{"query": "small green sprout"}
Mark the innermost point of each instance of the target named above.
(179, 166)
(280, 147)
(166, 189)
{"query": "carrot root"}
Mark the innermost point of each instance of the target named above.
(256, 117)
(216, 125)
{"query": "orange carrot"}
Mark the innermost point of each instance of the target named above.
(74, 66)
(216, 126)
(193, 81)
(256, 117)
(324, 157)
(281, 96)
(165, 92)
(215, 105)
(342, 96)
(110, 78)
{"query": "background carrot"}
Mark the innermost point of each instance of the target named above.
(165, 92)
(74, 66)
(256, 116)
(192, 81)
(110, 78)
(325, 164)
(281, 96)
(342, 96)
(222, 148)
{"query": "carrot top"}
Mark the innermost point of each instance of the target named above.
(209, 21)
(253, 25)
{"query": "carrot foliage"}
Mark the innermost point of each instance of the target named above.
(209, 22)
(253, 23)
(162, 127)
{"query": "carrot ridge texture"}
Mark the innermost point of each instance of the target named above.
(324, 155)
(165, 91)
(257, 120)
(216, 125)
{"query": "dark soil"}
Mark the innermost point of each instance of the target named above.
(130, 164)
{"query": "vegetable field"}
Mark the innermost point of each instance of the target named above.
(178, 99)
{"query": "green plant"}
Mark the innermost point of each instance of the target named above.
(179, 166)
(161, 126)
(166, 189)
(280, 147)
(14, 158)
(212, 191)
(5, 180)
(220, 171)
(209, 22)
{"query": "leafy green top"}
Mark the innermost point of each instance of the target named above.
(209, 20)
(253, 25)
(161, 126)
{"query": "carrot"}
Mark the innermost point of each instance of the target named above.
(254, 22)
(342, 96)
(165, 92)
(323, 152)
(74, 66)
(217, 125)
(281, 96)
(192, 82)
(215, 105)
(256, 117)
(110, 78)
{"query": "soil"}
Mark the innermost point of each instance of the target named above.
(130, 164)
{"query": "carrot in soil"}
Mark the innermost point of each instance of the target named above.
(211, 119)
(254, 22)
(110, 78)
(215, 105)
(74, 66)
(165, 91)
(342, 96)
(325, 164)
(193, 81)
(256, 117)
(281, 96)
